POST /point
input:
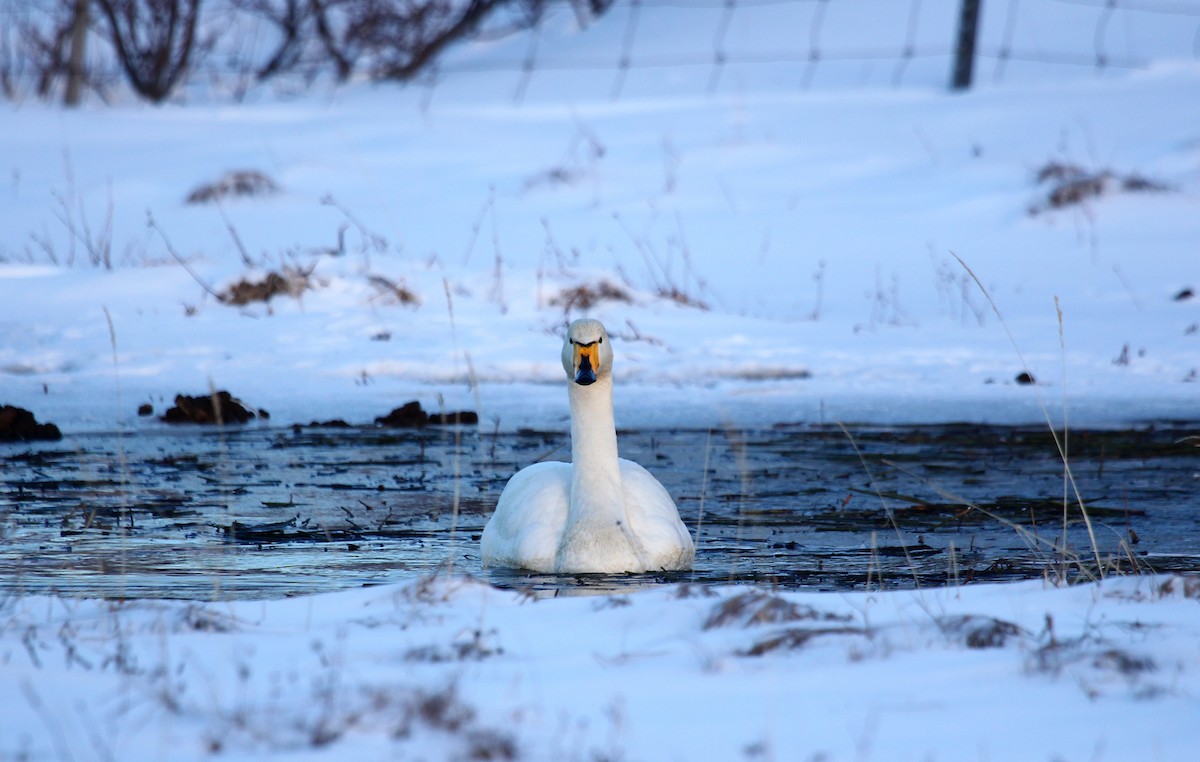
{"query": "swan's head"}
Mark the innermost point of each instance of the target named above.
(587, 352)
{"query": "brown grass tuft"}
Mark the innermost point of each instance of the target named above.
(292, 281)
(756, 607)
(585, 296)
(1072, 185)
(241, 183)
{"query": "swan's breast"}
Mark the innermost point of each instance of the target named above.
(529, 519)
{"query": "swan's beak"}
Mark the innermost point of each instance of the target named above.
(587, 358)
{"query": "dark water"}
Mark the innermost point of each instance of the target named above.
(261, 512)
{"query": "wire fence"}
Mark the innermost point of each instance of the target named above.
(648, 46)
(873, 42)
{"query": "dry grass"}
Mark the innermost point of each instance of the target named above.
(1071, 185)
(585, 296)
(979, 631)
(392, 292)
(680, 297)
(291, 281)
(756, 607)
(240, 183)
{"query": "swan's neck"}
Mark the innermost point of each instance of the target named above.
(598, 536)
(596, 476)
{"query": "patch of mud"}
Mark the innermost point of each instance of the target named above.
(216, 408)
(412, 416)
(19, 425)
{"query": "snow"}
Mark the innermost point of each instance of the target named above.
(447, 667)
(818, 228)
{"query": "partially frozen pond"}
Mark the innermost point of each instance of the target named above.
(264, 511)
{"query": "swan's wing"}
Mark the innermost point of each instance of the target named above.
(529, 519)
(655, 520)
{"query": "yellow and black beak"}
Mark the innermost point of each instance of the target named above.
(586, 360)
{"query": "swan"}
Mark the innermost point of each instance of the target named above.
(598, 513)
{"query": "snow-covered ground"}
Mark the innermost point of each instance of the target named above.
(787, 255)
(454, 669)
(819, 229)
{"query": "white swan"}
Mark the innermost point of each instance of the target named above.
(599, 513)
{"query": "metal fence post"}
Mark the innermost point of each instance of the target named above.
(964, 50)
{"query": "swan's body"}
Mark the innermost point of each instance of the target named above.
(599, 513)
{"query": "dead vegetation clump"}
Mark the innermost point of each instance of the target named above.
(1072, 185)
(240, 183)
(674, 294)
(585, 296)
(443, 710)
(792, 638)
(756, 607)
(291, 281)
(475, 646)
(1188, 587)
(979, 631)
(392, 292)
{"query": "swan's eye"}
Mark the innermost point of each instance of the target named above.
(600, 340)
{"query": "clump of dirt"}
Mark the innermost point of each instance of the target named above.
(333, 423)
(1071, 185)
(412, 416)
(292, 281)
(585, 296)
(249, 183)
(19, 425)
(218, 407)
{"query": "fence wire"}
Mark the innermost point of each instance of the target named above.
(708, 45)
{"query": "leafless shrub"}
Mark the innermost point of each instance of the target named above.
(154, 41)
(72, 213)
(244, 183)
(399, 38)
(293, 20)
(36, 50)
